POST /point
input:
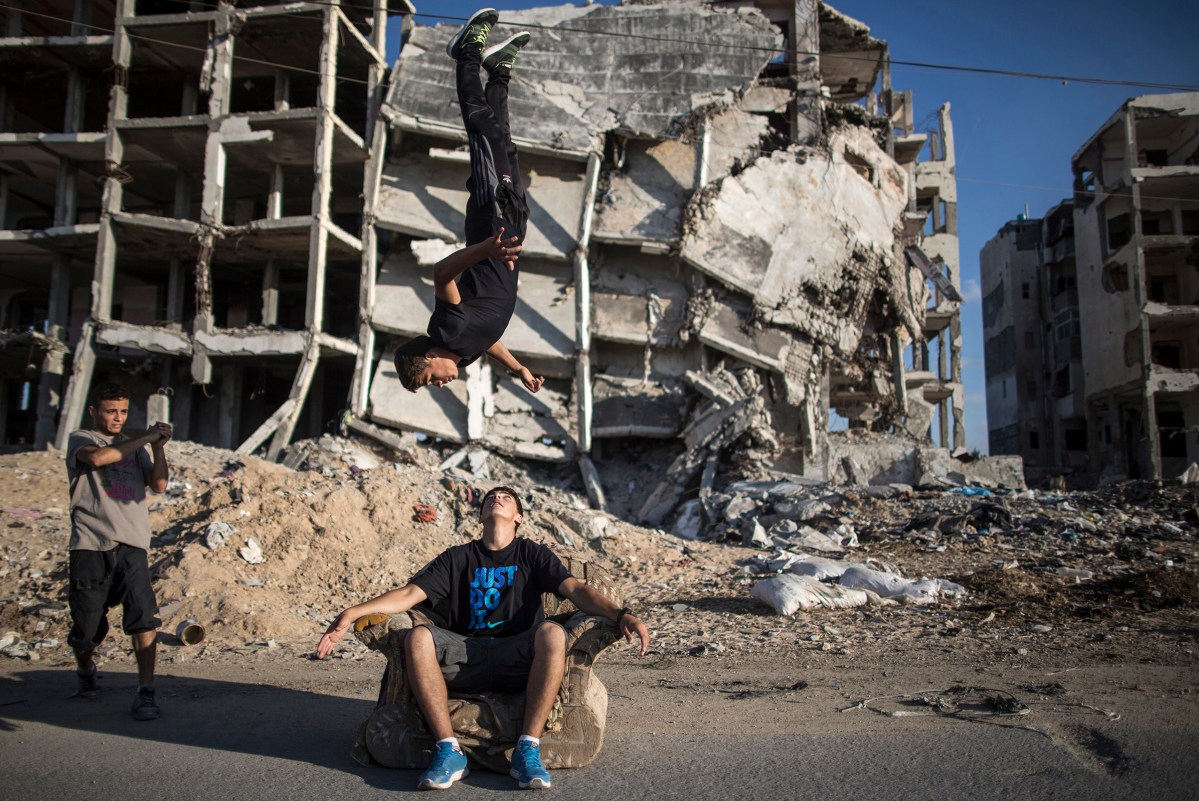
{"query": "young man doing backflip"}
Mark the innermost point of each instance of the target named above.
(497, 636)
(475, 287)
(110, 534)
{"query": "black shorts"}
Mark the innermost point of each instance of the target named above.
(101, 580)
(480, 664)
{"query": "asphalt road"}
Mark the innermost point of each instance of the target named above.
(697, 729)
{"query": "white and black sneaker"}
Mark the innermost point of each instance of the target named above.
(473, 33)
(503, 55)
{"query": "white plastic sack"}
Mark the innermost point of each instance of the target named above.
(819, 568)
(810, 538)
(789, 593)
(892, 585)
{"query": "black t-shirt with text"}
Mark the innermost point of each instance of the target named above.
(491, 593)
(469, 328)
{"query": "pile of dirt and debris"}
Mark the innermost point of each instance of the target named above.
(263, 555)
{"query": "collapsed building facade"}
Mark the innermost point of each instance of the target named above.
(721, 241)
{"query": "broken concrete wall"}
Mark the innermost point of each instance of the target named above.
(575, 85)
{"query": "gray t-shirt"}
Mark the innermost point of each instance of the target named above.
(108, 504)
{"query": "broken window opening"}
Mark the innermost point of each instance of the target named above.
(341, 298)
(1119, 232)
(1076, 439)
(1157, 222)
(1061, 383)
(351, 101)
(1034, 440)
(1164, 289)
(1115, 277)
(252, 90)
(156, 93)
(1156, 157)
(148, 8)
(1171, 432)
(1167, 353)
(1190, 222)
(246, 190)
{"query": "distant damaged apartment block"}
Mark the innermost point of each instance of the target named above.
(725, 246)
(1136, 228)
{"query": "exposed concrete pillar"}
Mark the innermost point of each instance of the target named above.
(322, 173)
(805, 69)
(582, 280)
(282, 90)
(83, 366)
(158, 408)
(299, 393)
(372, 173)
(231, 394)
(75, 400)
(1141, 295)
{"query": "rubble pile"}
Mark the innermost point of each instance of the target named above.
(263, 556)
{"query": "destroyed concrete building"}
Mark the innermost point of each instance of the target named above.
(692, 206)
(1032, 346)
(1091, 315)
(182, 208)
(1136, 223)
(722, 241)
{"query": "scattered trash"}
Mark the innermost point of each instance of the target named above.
(190, 632)
(251, 552)
(217, 534)
(29, 514)
(424, 513)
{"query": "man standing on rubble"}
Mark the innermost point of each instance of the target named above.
(475, 287)
(497, 637)
(110, 535)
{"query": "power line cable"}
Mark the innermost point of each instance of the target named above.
(1173, 87)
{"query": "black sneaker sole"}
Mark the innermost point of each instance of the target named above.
(492, 54)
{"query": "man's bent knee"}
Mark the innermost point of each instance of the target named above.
(551, 638)
(418, 638)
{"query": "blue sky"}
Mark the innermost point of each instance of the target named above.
(1014, 136)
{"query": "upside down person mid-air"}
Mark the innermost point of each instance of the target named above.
(475, 287)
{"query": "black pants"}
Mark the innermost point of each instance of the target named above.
(100, 580)
(497, 192)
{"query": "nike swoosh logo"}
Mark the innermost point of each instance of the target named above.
(494, 625)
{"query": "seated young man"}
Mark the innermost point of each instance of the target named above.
(475, 287)
(498, 638)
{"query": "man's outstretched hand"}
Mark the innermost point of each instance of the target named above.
(337, 629)
(531, 382)
(506, 250)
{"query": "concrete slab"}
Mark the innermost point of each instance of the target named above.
(436, 412)
(645, 198)
(570, 88)
(426, 197)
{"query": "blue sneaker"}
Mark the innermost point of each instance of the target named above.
(527, 769)
(447, 767)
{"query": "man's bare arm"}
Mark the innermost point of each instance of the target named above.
(501, 354)
(594, 603)
(101, 455)
(389, 603)
(160, 476)
(458, 262)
